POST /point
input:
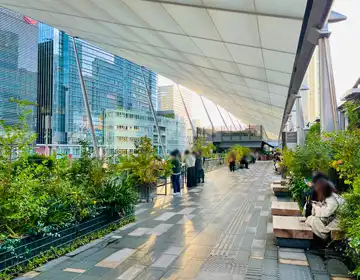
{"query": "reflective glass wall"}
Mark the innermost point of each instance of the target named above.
(111, 83)
(18, 64)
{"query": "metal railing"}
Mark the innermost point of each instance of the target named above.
(209, 165)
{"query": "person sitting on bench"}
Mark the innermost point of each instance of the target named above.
(323, 212)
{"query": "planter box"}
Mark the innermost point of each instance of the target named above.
(32, 246)
(147, 193)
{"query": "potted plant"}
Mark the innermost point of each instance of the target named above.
(144, 168)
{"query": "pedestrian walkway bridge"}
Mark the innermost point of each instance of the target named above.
(221, 230)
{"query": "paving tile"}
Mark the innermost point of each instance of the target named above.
(150, 274)
(165, 216)
(257, 253)
(336, 268)
(259, 243)
(186, 211)
(294, 262)
(321, 277)
(242, 256)
(52, 264)
(29, 275)
(174, 251)
(64, 276)
(116, 258)
(164, 261)
(316, 264)
(292, 255)
(294, 272)
(140, 231)
(171, 274)
(191, 270)
(132, 272)
(270, 267)
(74, 270)
(160, 229)
(139, 211)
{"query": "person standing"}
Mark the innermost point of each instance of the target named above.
(189, 160)
(232, 161)
(199, 168)
(176, 172)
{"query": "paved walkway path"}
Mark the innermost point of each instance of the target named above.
(221, 230)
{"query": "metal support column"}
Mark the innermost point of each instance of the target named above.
(328, 106)
(207, 113)
(222, 118)
(153, 113)
(187, 112)
(85, 99)
(300, 121)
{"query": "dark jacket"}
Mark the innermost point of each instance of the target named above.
(198, 163)
(176, 169)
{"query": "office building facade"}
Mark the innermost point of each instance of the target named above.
(111, 83)
(124, 128)
(18, 65)
(169, 98)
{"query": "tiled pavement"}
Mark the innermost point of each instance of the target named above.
(221, 230)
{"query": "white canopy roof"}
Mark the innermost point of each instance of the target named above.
(238, 53)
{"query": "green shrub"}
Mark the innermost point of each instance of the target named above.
(117, 195)
(350, 224)
(144, 166)
(298, 189)
(239, 152)
(207, 149)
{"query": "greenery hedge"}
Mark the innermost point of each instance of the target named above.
(41, 195)
(339, 151)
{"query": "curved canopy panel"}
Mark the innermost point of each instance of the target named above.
(238, 53)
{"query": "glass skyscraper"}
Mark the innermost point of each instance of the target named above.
(18, 64)
(111, 83)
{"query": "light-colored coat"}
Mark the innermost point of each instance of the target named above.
(321, 212)
(189, 161)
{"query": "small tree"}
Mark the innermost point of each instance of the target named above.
(206, 149)
(144, 166)
(14, 143)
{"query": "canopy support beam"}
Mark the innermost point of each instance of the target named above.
(217, 107)
(153, 113)
(86, 100)
(207, 113)
(186, 110)
(232, 120)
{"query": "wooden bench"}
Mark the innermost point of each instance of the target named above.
(291, 232)
(279, 190)
(279, 208)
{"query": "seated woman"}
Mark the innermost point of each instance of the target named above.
(310, 194)
(323, 212)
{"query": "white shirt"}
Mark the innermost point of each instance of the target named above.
(189, 161)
